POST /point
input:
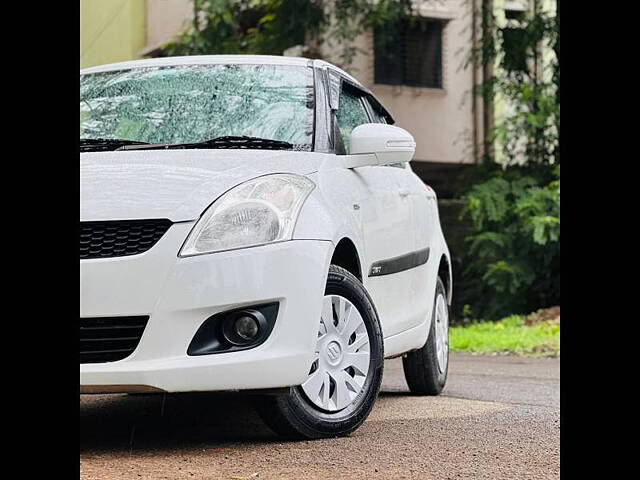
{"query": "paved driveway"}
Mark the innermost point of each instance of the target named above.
(497, 418)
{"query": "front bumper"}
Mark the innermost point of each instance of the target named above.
(179, 294)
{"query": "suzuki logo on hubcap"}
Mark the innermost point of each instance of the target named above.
(334, 352)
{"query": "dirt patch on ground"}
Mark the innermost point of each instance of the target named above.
(550, 316)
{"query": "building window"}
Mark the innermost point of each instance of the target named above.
(515, 49)
(518, 15)
(412, 55)
(514, 37)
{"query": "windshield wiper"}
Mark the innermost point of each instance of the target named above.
(218, 142)
(105, 144)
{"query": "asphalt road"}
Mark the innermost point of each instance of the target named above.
(498, 417)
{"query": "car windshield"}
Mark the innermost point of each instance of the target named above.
(196, 103)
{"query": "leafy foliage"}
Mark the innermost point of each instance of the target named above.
(247, 26)
(513, 256)
(272, 26)
(527, 77)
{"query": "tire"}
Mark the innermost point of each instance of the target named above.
(303, 414)
(422, 369)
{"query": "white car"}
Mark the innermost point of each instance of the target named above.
(252, 223)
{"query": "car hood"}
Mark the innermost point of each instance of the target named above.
(174, 184)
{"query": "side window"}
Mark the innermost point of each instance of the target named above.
(350, 114)
(378, 117)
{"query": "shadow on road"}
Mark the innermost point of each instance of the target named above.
(150, 422)
(156, 422)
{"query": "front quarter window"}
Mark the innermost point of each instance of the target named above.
(351, 113)
(196, 103)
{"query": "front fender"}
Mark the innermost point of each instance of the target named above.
(329, 219)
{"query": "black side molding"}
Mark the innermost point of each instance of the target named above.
(399, 264)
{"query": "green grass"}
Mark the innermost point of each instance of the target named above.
(509, 335)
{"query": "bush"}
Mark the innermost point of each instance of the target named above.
(513, 255)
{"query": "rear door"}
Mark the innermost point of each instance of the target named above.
(424, 216)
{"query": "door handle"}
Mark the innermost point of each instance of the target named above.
(404, 193)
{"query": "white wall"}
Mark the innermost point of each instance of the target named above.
(165, 18)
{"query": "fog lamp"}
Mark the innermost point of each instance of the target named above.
(246, 327)
(234, 330)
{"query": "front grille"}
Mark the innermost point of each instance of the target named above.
(120, 238)
(108, 339)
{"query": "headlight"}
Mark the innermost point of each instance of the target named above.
(260, 211)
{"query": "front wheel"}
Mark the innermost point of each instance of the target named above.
(345, 373)
(426, 369)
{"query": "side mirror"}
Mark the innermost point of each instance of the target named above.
(388, 143)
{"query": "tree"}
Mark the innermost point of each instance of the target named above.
(272, 26)
(513, 255)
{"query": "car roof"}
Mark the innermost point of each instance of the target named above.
(216, 59)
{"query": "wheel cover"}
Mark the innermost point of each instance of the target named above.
(442, 333)
(342, 355)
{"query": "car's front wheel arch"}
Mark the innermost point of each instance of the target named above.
(305, 412)
(345, 255)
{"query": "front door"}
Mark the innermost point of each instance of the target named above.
(385, 213)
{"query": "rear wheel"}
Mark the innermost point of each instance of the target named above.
(345, 373)
(426, 369)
